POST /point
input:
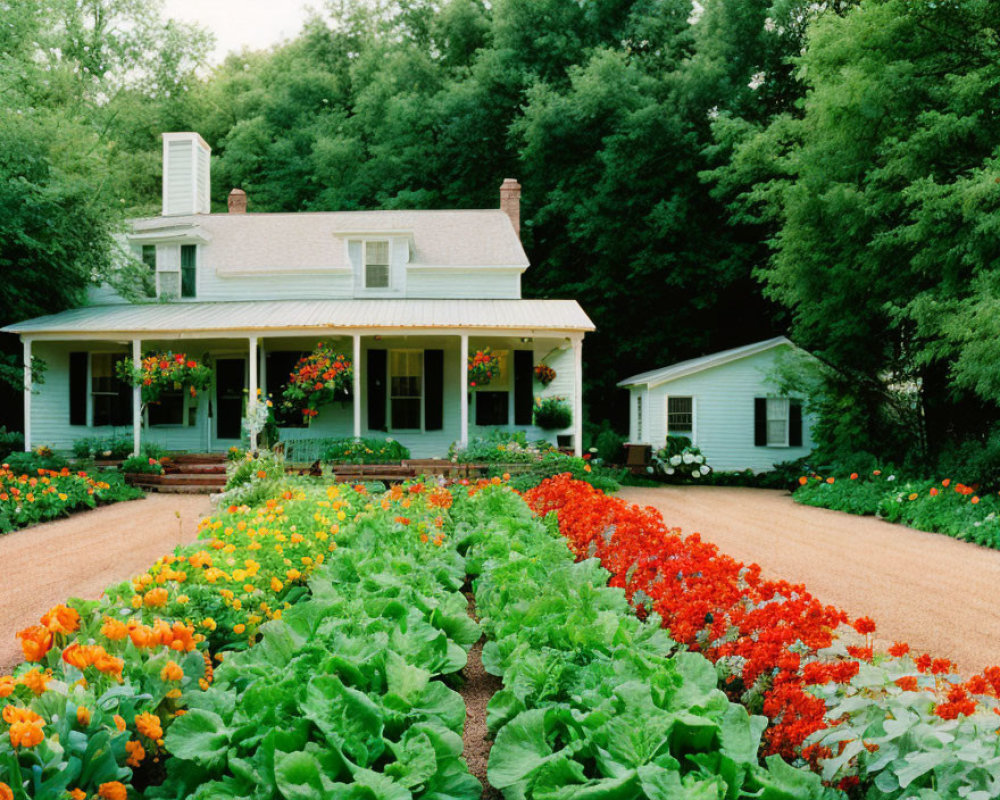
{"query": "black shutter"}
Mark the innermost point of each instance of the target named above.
(433, 390)
(760, 421)
(524, 396)
(77, 388)
(376, 373)
(795, 423)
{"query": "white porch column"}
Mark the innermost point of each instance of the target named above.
(356, 388)
(26, 341)
(136, 400)
(463, 385)
(253, 388)
(578, 397)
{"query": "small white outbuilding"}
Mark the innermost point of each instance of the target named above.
(725, 404)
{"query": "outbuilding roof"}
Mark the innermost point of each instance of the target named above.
(274, 243)
(307, 315)
(683, 368)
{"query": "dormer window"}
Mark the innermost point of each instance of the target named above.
(189, 255)
(376, 265)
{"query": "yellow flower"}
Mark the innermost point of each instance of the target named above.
(276, 585)
(239, 627)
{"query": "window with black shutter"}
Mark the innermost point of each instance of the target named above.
(111, 398)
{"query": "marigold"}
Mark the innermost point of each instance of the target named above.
(6, 793)
(36, 680)
(61, 619)
(78, 794)
(114, 790)
(171, 672)
(114, 629)
(156, 597)
(136, 753)
(83, 715)
(36, 641)
(7, 685)
(149, 725)
(119, 723)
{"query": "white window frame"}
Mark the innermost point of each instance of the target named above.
(786, 402)
(389, 395)
(365, 265)
(666, 402)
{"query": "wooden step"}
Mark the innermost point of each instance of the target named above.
(176, 479)
(198, 458)
(194, 468)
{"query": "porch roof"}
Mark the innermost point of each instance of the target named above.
(307, 315)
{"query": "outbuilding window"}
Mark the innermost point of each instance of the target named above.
(680, 416)
(777, 421)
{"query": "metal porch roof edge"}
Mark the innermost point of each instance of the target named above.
(682, 369)
(215, 317)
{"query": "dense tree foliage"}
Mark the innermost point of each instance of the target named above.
(696, 176)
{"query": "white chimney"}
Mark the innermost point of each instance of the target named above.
(186, 174)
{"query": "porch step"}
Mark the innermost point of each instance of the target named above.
(199, 458)
(194, 468)
(179, 479)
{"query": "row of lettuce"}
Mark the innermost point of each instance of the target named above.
(962, 511)
(878, 725)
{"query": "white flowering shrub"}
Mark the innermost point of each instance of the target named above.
(679, 461)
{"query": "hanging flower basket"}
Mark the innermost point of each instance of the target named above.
(319, 379)
(544, 374)
(163, 372)
(483, 366)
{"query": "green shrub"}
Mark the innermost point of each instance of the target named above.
(552, 413)
(103, 447)
(364, 451)
(501, 447)
(142, 465)
(556, 463)
(265, 467)
(973, 461)
(27, 463)
(10, 442)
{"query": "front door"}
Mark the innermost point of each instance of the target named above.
(230, 379)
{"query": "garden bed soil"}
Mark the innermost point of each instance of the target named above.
(81, 555)
(479, 687)
(934, 592)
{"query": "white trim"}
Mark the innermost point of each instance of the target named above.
(136, 400)
(657, 377)
(463, 397)
(767, 422)
(26, 342)
(578, 398)
(357, 384)
(253, 400)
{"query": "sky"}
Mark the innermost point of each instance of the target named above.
(235, 23)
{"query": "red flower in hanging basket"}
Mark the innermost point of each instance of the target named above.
(482, 366)
(544, 374)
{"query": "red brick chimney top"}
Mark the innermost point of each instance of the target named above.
(510, 202)
(237, 202)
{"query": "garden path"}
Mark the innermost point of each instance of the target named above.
(81, 555)
(937, 593)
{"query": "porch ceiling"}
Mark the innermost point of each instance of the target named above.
(306, 315)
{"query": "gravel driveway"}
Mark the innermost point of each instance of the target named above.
(937, 593)
(81, 555)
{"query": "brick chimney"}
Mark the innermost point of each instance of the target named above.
(237, 202)
(510, 202)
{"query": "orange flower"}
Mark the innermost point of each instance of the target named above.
(136, 753)
(35, 680)
(112, 791)
(171, 672)
(899, 649)
(25, 726)
(78, 794)
(7, 685)
(149, 725)
(35, 642)
(119, 722)
(830, 479)
(854, 476)
(914, 496)
(945, 483)
(864, 625)
(239, 627)
(157, 597)
(6, 793)
(83, 715)
(975, 500)
(114, 629)
(61, 619)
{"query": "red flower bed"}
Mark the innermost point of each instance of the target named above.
(725, 609)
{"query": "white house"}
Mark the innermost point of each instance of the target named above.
(725, 404)
(406, 295)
